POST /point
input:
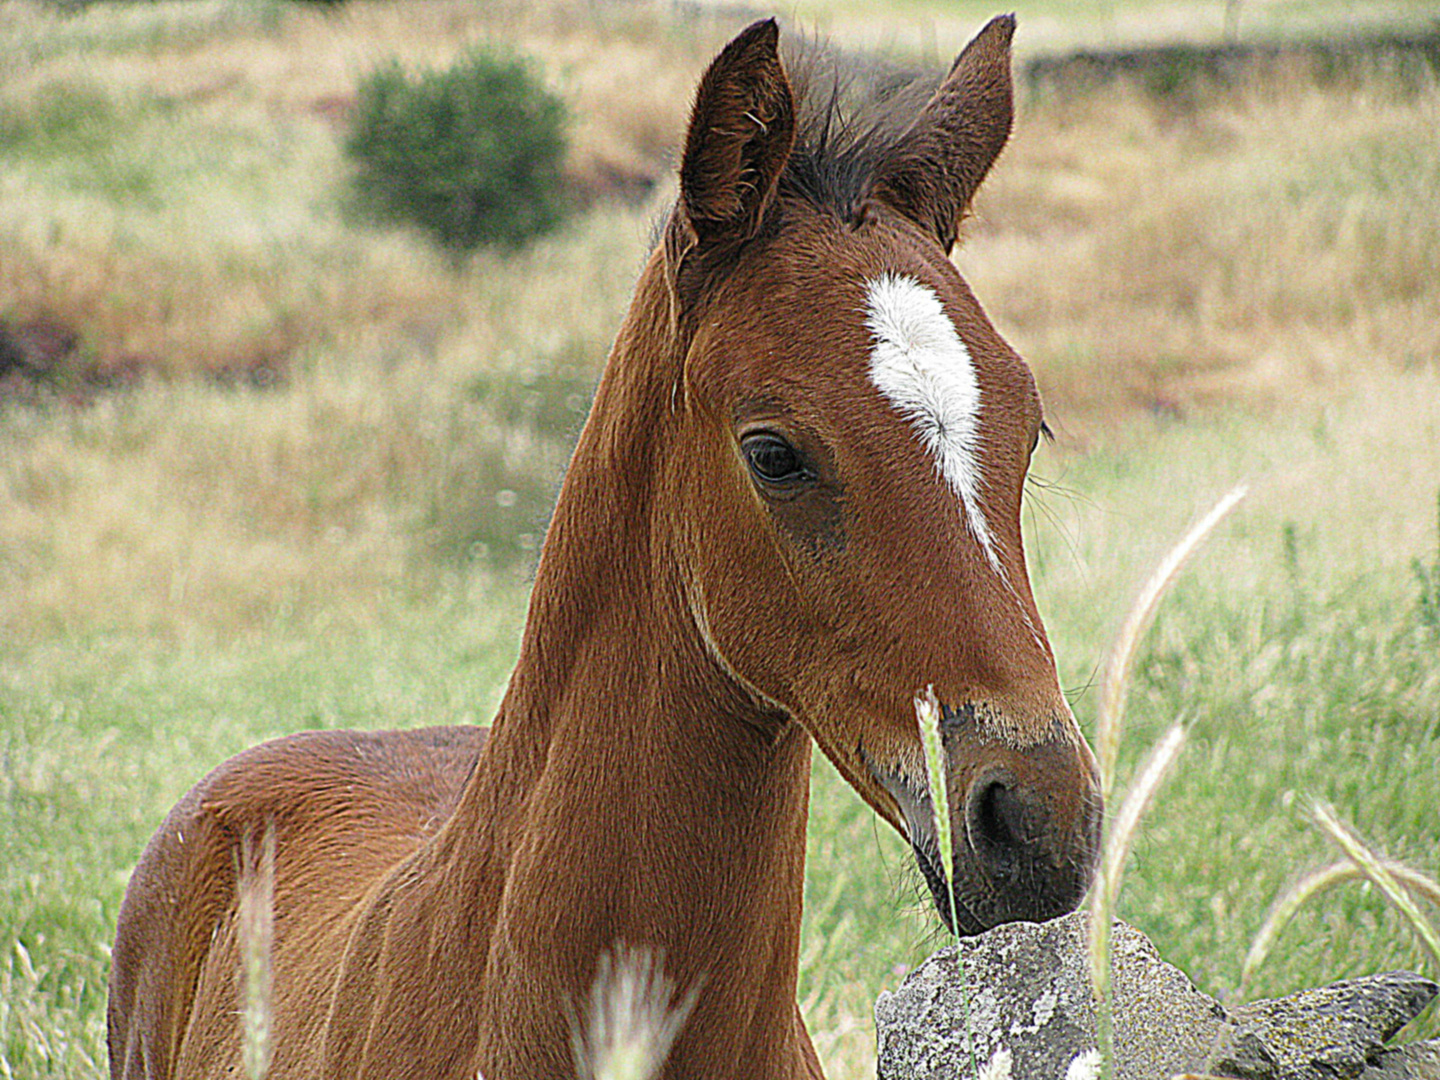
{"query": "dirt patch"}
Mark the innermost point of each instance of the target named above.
(34, 349)
(44, 358)
(597, 180)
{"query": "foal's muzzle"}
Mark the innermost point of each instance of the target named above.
(1025, 828)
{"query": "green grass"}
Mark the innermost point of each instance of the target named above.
(98, 737)
(1295, 647)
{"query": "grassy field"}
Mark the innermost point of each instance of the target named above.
(312, 503)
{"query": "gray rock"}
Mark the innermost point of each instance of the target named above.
(1032, 1014)
(1242, 1055)
(1334, 1032)
(1026, 990)
(1418, 1061)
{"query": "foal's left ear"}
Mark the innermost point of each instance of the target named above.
(934, 169)
(741, 131)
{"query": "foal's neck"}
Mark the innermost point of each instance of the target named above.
(632, 794)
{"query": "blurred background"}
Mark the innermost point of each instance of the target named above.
(302, 305)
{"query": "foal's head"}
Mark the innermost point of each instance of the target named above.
(855, 441)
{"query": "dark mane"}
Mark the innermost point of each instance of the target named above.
(850, 110)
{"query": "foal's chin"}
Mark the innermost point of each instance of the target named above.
(982, 903)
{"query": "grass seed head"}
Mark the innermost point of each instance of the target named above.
(927, 712)
(633, 1021)
(1311, 885)
(1106, 890)
(1375, 868)
(1121, 660)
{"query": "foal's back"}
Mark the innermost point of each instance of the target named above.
(346, 808)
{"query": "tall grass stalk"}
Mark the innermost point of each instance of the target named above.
(254, 930)
(634, 1019)
(1310, 885)
(1118, 835)
(1106, 889)
(927, 713)
(1116, 680)
(1374, 867)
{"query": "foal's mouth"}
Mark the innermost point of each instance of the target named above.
(918, 811)
(1010, 863)
(949, 903)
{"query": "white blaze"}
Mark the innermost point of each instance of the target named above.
(919, 362)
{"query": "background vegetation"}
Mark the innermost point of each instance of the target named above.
(471, 153)
(264, 467)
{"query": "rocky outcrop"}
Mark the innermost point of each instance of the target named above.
(1023, 1010)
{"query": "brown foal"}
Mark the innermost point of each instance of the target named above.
(795, 506)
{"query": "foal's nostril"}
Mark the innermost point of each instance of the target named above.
(999, 823)
(999, 816)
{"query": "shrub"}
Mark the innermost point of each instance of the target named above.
(472, 153)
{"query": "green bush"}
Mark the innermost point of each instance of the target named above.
(471, 153)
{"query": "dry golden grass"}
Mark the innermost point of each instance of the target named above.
(1253, 243)
(177, 197)
(933, 28)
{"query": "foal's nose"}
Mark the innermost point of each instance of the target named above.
(1031, 829)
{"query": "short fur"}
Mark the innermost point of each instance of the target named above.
(443, 899)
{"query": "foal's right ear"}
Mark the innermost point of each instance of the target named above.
(740, 134)
(931, 173)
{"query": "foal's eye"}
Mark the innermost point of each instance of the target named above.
(773, 459)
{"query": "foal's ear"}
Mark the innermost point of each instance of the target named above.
(933, 170)
(739, 139)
